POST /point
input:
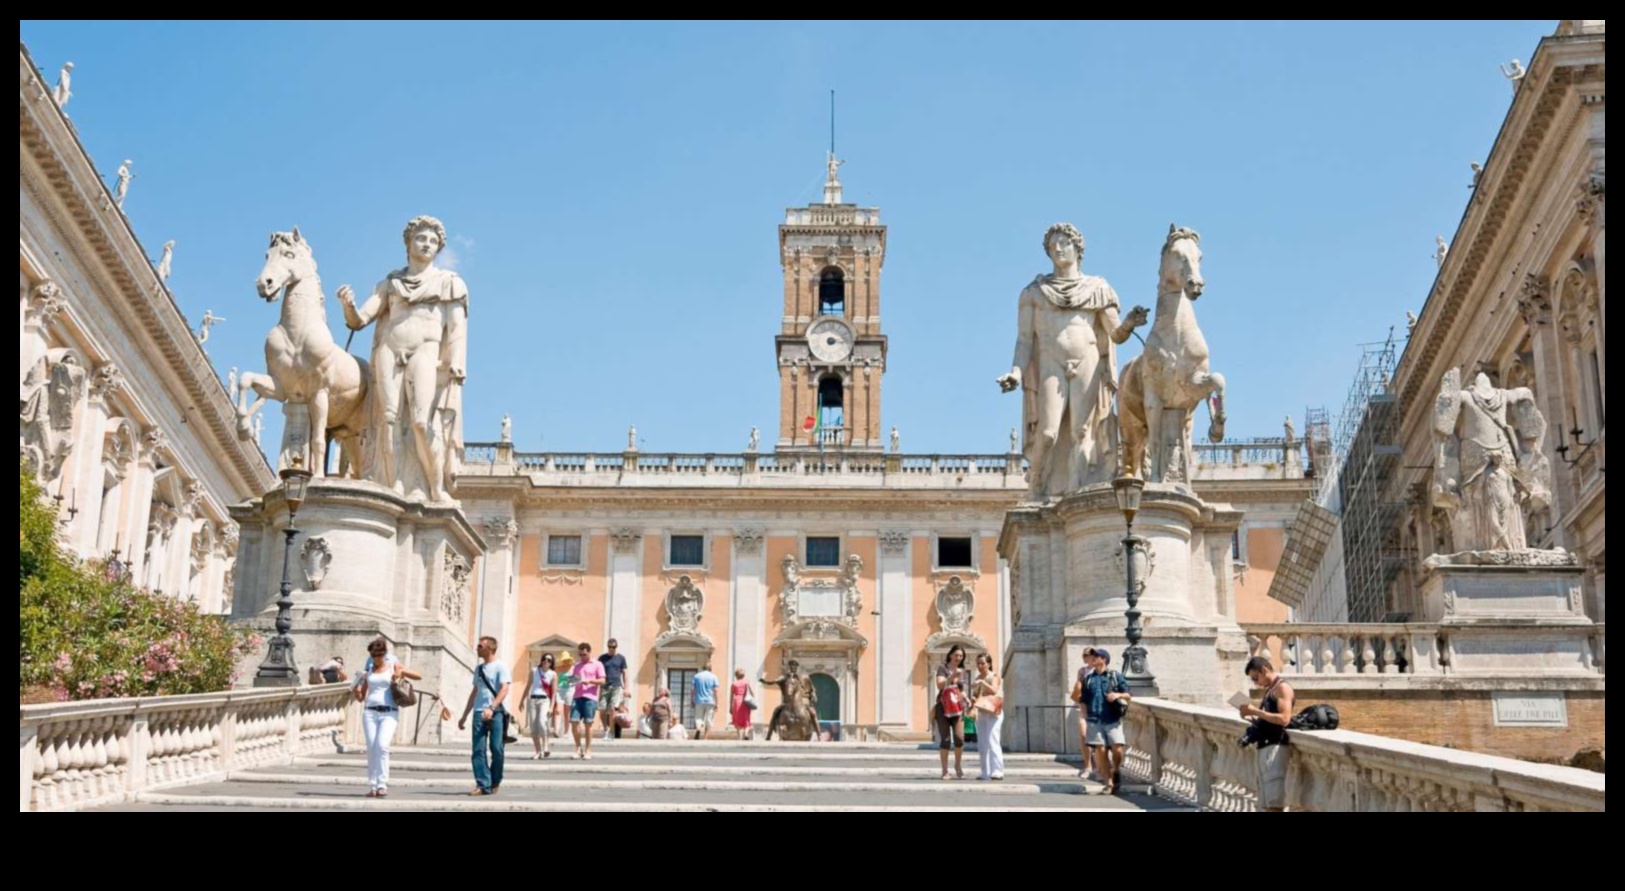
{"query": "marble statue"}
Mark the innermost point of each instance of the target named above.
(1065, 365)
(305, 366)
(205, 324)
(123, 187)
(1513, 73)
(1171, 373)
(1440, 250)
(1289, 429)
(258, 428)
(419, 361)
(632, 438)
(1478, 173)
(1490, 471)
(833, 164)
(896, 441)
(52, 399)
(1410, 322)
(755, 440)
(231, 384)
(1015, 441)
(64, 85)
(796, 718)
(164, 261)
(507, 428)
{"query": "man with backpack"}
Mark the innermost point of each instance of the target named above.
(1105, 700)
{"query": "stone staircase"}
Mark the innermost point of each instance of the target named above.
(645, 775)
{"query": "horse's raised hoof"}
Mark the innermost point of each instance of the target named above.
(1215, 433)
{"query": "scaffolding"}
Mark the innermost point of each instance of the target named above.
(1366, 458)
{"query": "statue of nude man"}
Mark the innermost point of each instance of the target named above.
(419, 360)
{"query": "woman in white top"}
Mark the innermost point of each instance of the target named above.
(987, 692)
(540, 693)
(379, 716)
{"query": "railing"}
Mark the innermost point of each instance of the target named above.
(679, 468)
(1190, 754)
(82, 754)
(1411, 648)
(1264, 458)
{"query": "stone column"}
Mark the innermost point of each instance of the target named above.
(499, 598)
(137, 511)
(625, 588)
(894, 690)
(748, 605)
(85, 534)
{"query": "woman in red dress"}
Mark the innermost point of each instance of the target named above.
(741, 703)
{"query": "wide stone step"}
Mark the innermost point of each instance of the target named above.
(718, 768)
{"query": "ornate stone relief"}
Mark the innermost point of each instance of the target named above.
(106, 381)
(748, 541)
(500, 531)
(52, 400)
(46, 302)
(832, 599)
(1535, 300)
(894, 541)
(1145, 557)
(685, 605)
(625, 541)
(315, 556)
(454, 593)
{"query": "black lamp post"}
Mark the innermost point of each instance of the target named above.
(278, 669)
(1135, 669)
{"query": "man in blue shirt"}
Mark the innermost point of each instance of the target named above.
(1105, 695)
(613, 696)
(491, 682)
(705, 701)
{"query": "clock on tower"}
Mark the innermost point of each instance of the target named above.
(831, 352)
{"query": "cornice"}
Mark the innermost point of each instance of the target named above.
(104, 246)
(1509, 166)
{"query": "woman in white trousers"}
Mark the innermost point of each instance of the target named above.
(986, 690)
(379, 715)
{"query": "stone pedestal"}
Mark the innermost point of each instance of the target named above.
(366, 561)
(1068, 589)
(1510, 612)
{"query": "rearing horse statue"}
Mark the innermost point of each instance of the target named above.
(306, 365)
(1172, 372)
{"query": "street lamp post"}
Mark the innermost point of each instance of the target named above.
(1136, 670)
(278, 669)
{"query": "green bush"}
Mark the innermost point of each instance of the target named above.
(87, 633)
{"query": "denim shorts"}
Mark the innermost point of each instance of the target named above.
(583, 710)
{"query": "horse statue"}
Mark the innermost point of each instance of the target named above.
(795, 720)
(305, 365)
(1171, 373)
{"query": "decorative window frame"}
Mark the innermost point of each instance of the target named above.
(840, 553)
(547, 539)
(971, 571)
(695, 569)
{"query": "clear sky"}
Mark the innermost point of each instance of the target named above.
(612, 191)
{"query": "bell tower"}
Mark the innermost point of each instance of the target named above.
(831, 352)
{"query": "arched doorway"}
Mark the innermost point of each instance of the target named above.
(832, 292)
(828, 691)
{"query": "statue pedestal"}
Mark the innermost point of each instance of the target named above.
(366, 561)
(1516, 612)
(1068, 585)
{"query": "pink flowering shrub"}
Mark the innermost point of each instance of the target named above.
(88, 635)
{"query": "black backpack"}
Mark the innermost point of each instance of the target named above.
(1315, 717)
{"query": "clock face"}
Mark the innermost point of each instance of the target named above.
(829, 339)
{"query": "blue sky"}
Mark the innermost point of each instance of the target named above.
(612, 191)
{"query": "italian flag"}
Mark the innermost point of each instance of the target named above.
(813, 425)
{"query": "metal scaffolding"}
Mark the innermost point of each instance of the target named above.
(1366, 458)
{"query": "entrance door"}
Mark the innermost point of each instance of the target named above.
(829, 697)
(681, 683)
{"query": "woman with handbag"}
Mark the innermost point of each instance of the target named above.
(540, 692)
(660, 714)
(741, 702)
(949, 711)
(375, 689)
(987, 692)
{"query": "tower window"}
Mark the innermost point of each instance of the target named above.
(830, 397)
(832, 293)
